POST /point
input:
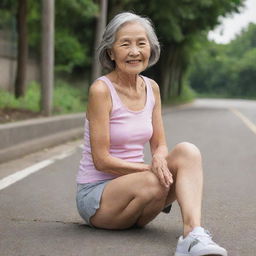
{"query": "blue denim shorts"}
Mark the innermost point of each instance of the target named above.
(88, 198)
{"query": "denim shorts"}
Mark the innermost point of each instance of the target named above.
(88, 198)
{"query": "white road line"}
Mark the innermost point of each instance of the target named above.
(9, 180)
(246, 121)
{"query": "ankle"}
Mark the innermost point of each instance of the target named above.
(188, 228)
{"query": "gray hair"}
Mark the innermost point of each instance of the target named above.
(109, 37)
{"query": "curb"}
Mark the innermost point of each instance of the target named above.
(24, 137)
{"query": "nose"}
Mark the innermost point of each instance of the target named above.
(134, 50)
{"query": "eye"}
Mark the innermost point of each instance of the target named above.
(142, 43)
(125, 44)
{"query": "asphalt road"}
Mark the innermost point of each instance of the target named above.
(38, 214)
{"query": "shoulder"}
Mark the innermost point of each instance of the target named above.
(99, 99)
(154, 86)
(99, 89)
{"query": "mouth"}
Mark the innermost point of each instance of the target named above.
(133, 61)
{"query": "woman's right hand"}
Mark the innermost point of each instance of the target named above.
(160, 169)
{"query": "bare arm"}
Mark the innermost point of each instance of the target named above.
(99, 107)
(158, 144)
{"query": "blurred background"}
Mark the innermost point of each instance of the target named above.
(208, 50)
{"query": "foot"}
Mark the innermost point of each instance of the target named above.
(198, 243)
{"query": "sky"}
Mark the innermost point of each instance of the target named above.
(232, 25)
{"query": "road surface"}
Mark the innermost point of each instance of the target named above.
(38, 214)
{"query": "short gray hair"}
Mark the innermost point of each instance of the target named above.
(109, 37)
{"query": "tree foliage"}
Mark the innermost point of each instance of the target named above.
(179, 24)
(8, 8)
(73, 30)
(74, 33)
(228, 70)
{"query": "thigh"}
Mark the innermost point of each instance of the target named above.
(88, 198)
(118, 207)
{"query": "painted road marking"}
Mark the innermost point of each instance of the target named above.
(11, 179)
(246, 121)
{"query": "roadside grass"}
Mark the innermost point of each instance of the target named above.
(66, 99)
(187, 95)
(73, 99)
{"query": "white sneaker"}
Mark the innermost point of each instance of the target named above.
(198, 243)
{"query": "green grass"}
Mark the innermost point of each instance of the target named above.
(30, 101)
(187, 96)
(66, 99)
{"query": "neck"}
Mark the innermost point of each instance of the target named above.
(127, 80)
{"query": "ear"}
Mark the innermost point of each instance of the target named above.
(109, 51)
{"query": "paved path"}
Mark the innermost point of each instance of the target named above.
(38, 214)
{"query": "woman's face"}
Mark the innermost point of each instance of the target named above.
(131, 50)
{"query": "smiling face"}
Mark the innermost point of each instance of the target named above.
(131, 50)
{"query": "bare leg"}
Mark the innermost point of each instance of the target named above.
(184, 161)
(139, 197)
(134, 198)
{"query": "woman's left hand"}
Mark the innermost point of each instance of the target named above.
(160, 169)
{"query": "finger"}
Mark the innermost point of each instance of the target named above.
(167, 173)
(161, 177)
(168, 179)
(160, 172)
(170, 176)
(165, 180)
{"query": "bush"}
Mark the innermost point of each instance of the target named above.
(187, 95)
(69, 52)
(66, 99)
(30, 101)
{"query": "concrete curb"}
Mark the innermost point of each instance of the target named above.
(24, 137)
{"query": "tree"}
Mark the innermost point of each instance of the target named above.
(20, 81)
(101, 23)
(245, 75)
(73, 34)
(246, 40)
(179, 24)
(47, 62)
(74, 39)
(226, 70)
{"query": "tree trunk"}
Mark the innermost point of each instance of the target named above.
(180, 76)
(47, 61)
(168, 67)
(101, 24)
(171, 72)
(164, 77)
(20, 81)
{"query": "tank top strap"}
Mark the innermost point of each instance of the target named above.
(115, 98)
(150, 93)
(113, 93)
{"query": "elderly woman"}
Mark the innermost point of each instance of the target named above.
(116, 189)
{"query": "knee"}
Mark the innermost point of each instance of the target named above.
(151, 189)
(187, 150)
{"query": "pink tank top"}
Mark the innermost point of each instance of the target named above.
(129, 132)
